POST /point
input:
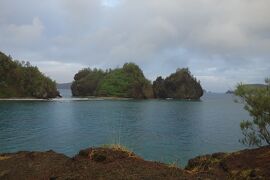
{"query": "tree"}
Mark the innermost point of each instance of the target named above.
(86, 82)
(257, 102)
(21, 79)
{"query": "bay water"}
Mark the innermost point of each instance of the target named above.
(158, 130)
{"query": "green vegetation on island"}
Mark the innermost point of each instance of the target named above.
(179, 85)
(130, 82)
(21, 80)
(127, 82)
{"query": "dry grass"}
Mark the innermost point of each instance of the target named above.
(4, 157)
(119, 147)
(174, 164)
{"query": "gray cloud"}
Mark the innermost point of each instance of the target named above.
(222, 42)
(22, 35)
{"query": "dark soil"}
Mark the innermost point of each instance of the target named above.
(115, 163)
(245, 164)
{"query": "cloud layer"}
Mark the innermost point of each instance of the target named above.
(222, 42)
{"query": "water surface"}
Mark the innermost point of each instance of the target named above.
(160, 130)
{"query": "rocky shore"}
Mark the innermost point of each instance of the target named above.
(119, 163)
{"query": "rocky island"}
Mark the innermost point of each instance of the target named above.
(126, 82)
(116, 162)
(22, 80)
(179, 85)
(130, 82)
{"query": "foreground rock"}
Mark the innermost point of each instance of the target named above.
(245, 164)
(93, 163)
(116, 163)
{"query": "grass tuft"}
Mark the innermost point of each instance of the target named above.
(174, 164)
(4, 157)
(119, 147)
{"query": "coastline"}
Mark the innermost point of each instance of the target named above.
(22, 99)
(65, 99)
(91, 99)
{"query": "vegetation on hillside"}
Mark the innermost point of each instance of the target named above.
(20, 79)
(128, 82)
(179, 85)
(257, 102)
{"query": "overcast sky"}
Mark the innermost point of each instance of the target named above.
(222, 41)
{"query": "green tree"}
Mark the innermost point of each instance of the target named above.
(128, 81)
(257, 102)
(86, 82)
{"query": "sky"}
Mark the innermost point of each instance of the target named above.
(222, 42)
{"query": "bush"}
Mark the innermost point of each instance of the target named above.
(257, 102)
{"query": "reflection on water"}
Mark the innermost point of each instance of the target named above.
(155, 129)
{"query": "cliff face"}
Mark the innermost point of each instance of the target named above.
(119, 163)
(20, 79)
(179, 85)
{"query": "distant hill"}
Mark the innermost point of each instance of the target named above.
(255, 85)
(230, 92)
(63, 85)
(249, 86)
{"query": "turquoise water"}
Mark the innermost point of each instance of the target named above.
(160, 130)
